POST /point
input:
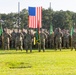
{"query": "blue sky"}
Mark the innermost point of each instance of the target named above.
(8, 6)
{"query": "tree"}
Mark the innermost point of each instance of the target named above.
(62, 19)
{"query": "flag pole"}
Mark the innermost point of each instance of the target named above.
(18, 14)
(50, 14)
(50, 5)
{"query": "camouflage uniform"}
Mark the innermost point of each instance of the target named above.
(24, 43)
(46, 39)
(28, 41)
(51, 40)
(19, 41)
(74, 41)
(66, 40)
(13, 36)
(42, 42)
(0, 41)
(58, 39)
(6, 40)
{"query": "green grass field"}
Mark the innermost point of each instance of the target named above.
(49, 62)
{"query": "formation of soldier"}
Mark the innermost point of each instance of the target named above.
(24, 40)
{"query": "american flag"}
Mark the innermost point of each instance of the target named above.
(35, 17)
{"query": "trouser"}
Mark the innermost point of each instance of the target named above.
(28, 46)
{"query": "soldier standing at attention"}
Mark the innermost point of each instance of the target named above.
(6, 40)
(13, 36)
(73, 41)
(19, 40)
(66, 39)
(24, 38)
(51, 40)
(58, 38)
(28, 41)
(42, 41)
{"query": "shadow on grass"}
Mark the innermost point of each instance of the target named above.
(33, 51)
(18, 65)
(2, 52)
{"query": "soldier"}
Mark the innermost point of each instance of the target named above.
(51, 40)
(28, 41)
(13, 36)
(6, 40)
(58, 38)
(24, 38)
(66, 39)
(74, 41)
(1, 41)
(19, 41)
(47, 38)
(41, 43)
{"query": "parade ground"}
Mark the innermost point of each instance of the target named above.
(50, 62)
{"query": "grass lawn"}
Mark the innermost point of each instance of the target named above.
(50, 62)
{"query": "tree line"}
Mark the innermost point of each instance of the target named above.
(62, 19)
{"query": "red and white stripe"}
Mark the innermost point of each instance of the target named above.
(37, 19)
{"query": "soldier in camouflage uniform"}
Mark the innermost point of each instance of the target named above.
(47, 38)
(6, 40)
(24, 38)
(28, 41)
(41, 43)
(73, 41)
(58, 38)
(13, 36)
(66, 39)
(19, 40)
(1, 41)
(51, 40)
